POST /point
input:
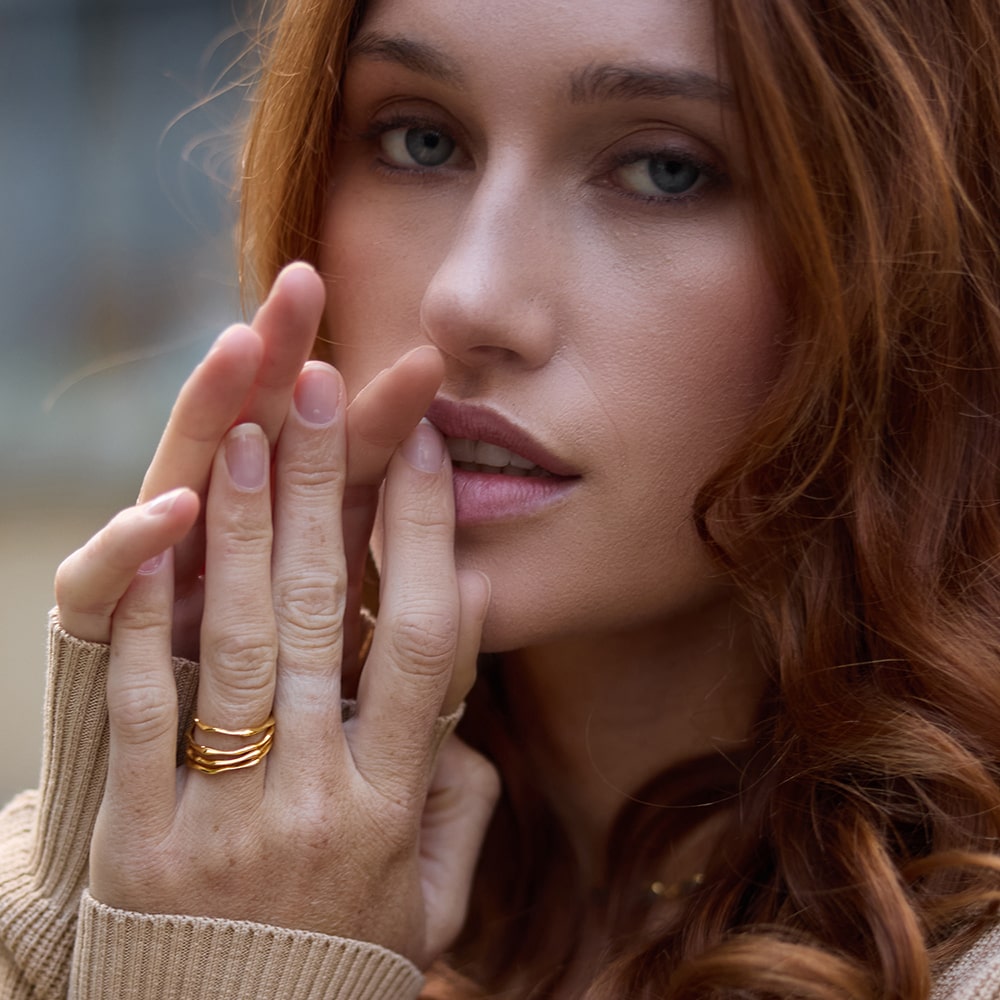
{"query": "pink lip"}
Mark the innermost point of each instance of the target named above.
(482, 497)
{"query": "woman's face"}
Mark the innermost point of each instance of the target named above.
(552, 194)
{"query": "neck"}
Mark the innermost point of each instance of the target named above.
(610, 712)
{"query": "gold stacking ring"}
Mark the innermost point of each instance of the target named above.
(367, 634)
(213, 761)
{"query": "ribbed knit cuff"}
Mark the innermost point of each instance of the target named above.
(159, 957)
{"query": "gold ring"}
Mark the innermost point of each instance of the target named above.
(211, 760)
(367, 634)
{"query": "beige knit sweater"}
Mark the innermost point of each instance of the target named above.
(57, 942)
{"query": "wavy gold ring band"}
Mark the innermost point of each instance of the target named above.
(211, 760)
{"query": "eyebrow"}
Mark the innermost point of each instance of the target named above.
(603, 82)
(412, 55)
(608, 82)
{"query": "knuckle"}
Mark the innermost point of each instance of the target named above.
(66, 579)
(73, 578)
(143, 617)
(424, 638)
(312, 826)
(313, 608)
(247, 536)
(310, 478)
(425, 518)
(140, 713)
(246, 659)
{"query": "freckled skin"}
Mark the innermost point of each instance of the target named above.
(632, 336)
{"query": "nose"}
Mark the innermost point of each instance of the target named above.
(492, 300)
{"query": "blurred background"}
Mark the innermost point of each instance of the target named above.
(117, 269)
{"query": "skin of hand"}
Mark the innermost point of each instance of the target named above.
(350, 828)
(247, 377)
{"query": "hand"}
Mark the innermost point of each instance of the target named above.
(248, 376)
(348, 828)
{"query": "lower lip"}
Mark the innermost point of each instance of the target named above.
(482, 497)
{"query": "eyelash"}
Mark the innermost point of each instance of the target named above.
(378, 129)
(712, 177)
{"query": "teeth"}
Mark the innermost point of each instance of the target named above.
(491, 454)
(462, 450)
(481, 456)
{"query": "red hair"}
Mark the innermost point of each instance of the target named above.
(858, 518)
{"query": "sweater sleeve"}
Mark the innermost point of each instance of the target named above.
(56, 941)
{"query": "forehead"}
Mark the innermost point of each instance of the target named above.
(523, 44)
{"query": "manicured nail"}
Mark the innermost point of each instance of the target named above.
(424, 448)
(165, 503)
(317, 395)
(150, 566)
(246, 456)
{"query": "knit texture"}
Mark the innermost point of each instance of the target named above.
(976, 975)
(121, 954)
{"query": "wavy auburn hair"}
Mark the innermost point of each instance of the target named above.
(858, 517)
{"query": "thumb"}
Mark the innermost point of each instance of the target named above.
(463, 793)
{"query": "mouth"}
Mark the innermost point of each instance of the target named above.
(482, 440)
(501, 472)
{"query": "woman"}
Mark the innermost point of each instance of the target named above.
(701, 301)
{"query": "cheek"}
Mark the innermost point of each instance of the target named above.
(373, 290)
(703, 354)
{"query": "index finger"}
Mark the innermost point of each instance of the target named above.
(247, 377)
(386, 410)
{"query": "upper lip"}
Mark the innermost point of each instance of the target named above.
(480, 423)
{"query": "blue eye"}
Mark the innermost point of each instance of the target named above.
(415, 145)
(661, 176)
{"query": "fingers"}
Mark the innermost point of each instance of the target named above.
(238, 640)
(422, 626)
(206, 408)
(91, 582)
(378, 420)
(309, 576)
(462, 795)
(142, 702)
(474, 599)
(385, 411)
(247, 377)
(287, 323)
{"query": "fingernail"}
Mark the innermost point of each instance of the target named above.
(150, 566)
(317, 395)
(424, 448)
(165, 503)
(246, 456)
